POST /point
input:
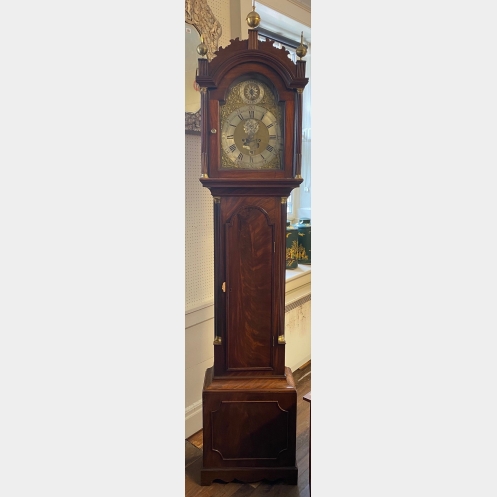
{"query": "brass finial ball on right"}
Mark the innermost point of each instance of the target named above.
(301, 51)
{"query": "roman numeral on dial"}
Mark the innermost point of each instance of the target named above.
(251, 147)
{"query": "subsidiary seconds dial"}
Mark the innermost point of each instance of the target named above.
(251, 138)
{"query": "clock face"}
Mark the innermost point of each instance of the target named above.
(251, 131)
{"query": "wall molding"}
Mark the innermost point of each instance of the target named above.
(193, 418)
(199, 315)
(298, 284)
(193, 409)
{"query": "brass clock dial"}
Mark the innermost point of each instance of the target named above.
(251, 130)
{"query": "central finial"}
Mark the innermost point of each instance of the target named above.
(253, 18)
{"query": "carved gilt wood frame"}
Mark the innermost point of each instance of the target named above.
(199, 15)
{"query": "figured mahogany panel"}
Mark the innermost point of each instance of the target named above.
(250, 259)
(250, 422)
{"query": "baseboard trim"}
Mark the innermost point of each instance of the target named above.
(193, 418)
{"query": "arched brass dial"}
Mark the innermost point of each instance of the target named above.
(251, 130)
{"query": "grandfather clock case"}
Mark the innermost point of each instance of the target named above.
(251, 129)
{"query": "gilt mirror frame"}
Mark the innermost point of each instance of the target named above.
(200, 16)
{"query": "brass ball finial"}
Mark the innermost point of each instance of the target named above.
(253, 18)
(202, 47)
(301, 50)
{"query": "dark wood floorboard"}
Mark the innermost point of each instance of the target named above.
(191, 453)
(193, 458)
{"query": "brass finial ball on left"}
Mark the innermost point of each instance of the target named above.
(202, 49)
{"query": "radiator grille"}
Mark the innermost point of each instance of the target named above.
(297, 303)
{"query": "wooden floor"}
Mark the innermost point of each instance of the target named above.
(193, 458)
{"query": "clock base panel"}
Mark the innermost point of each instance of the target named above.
(249, 429)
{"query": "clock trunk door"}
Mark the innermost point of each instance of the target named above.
(250, 268)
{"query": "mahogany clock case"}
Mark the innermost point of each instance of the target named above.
(249, 399)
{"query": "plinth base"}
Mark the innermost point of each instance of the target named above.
(248, 475)
(249, 429)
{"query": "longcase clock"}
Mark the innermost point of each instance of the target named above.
(251, 122)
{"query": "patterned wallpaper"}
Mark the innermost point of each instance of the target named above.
(199, 226)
